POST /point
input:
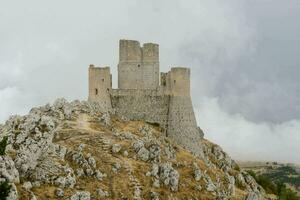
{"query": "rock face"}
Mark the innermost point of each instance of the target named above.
(79, 151)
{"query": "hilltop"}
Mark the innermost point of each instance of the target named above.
(77, 150)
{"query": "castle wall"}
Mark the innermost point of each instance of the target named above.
(100, 85)
(141, 97)
(149, 105)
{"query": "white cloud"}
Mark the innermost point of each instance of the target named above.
(246, 140)
(14, 101)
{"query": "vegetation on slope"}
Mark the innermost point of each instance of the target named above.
(4, 186)
(277, 187)
(3, 144)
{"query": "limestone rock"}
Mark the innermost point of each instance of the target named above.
(197, 172)
(82, 195)
(169, 176)
(137, 145)
(27, 186)
(154, 153)
(252, 196)
(116, 148)
(59, 192)
(102, 193)
(99, 175)
(116, 167)
(154, 196)
(105, 118)
(156, 183)
(13, 193)
(8, 170)
(143, 154)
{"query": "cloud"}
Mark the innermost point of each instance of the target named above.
(247, 140)
(14, 101)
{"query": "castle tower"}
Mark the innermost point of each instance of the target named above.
(130, 65)
(150, 65)
(138, 66)
(100, 85)
(182, 124)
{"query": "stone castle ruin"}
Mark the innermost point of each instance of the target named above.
(144, 93)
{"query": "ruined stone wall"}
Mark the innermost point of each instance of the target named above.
(100, 85)
(149, 105)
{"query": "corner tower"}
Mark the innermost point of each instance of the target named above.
(100, 85)
(182, 124)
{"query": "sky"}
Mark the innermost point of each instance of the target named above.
(243, 55)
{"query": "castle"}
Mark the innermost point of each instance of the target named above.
(146, 94)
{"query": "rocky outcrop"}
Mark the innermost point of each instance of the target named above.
(82, 151)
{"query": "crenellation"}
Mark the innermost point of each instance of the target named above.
(144, 93)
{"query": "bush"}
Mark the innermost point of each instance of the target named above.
(285, 193)
(4, 190)
(3, 144)
(279, 188)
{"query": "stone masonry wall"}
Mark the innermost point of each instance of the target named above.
(182, 124)
(149, 105)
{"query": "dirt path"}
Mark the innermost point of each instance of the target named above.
(83, 122)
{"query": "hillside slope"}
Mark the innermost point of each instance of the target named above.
(288, 174)
(78, 151)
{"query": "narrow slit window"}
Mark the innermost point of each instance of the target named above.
(96, 91)
(103, 80)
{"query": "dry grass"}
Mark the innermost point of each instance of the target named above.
(89, 131)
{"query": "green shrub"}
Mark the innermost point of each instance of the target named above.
(285, 193)
(279, 188)
(237, 168)
(3, 144)
(4, 190)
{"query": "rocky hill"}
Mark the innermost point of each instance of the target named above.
(78, 151)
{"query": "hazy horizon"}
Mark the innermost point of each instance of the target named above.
(243, 57)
